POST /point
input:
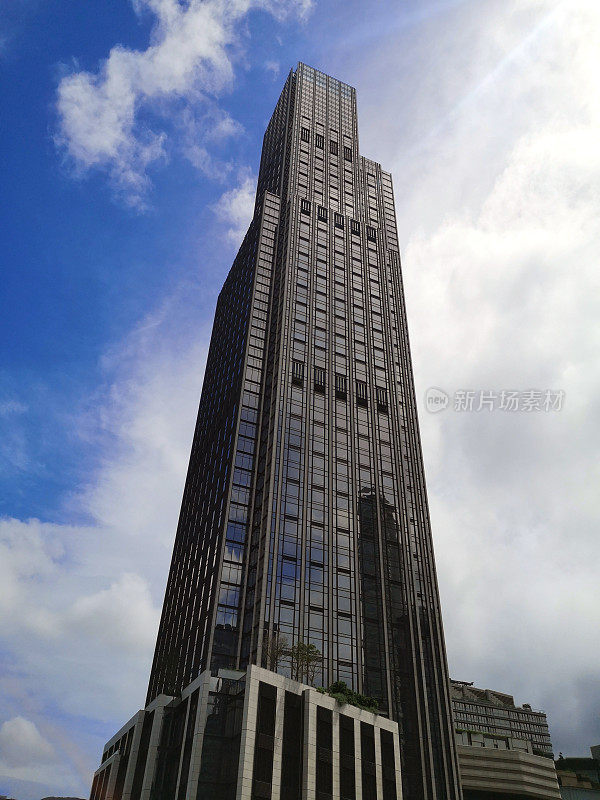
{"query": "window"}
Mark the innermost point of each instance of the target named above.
(367, 752)
(319, 379)
(338, 220)
(319, 141)
(340, 386)
(355, 227)
(305, 134)
(322, 213)
(333, 147)
(229, 595)
(388, 766)
(305, 206)
(347, 153)
(371, 235)
(361, 393)
(324, 770)
(297, 372)
(291, 772)
(382, 399)
(265, 728)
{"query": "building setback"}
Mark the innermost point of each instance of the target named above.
(304, 516)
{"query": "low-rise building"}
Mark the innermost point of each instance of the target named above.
(496, 713)
(247, 736)
(579, 778)
(504, 751)
(489, 773)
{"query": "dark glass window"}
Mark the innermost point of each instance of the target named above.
(305, 206)
(367, 756)
(347, 776)
(355, 227)
(371, 235)
(267, 696)
(338, 220)
(292, 746)
(265, 730)
(388, 766)
(305, 134)
(319, 141)
(263, 771)
(322, 213)
(333, 147)
(382, 398)
(340, 385)
(347, 153)
(324, 771)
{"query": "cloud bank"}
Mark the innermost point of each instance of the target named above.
(79, 604)
(118, 118)
(497, 178)
(236, 206)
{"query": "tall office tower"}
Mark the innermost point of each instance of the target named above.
(304, 515)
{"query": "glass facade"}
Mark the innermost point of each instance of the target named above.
(305, 511)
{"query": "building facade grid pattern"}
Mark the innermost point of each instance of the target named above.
(305, 510)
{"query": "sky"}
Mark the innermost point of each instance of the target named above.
(130, 133)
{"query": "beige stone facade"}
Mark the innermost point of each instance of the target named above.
(160, 753)
(488, 772)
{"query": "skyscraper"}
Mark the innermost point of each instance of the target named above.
(304, 516)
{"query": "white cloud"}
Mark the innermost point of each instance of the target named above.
(28, 759)
(236, 206)
(274, 67)
(497, 178)
(104, 115)
(122, 616)
(46, 573)
(13, 450)
(21, 744)
(79, 604)
(200, 131)
(10, 407)
(26, 558)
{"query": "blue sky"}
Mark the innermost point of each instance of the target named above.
(131, 136)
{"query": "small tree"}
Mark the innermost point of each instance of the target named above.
(276, 648)
(304, 660)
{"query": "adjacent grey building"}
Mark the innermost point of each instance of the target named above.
(304, 516)
(495, 714)
(579, 778)
(504, 750)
